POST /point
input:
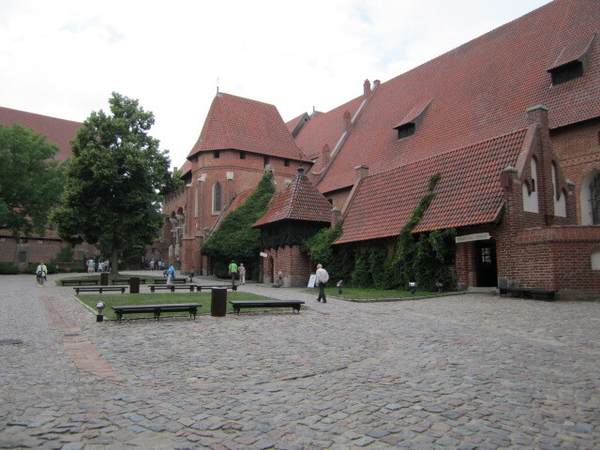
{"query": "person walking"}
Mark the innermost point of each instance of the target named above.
(233, 270)
(40, 273)
(242, 272)
(170, 275)
(322, 279)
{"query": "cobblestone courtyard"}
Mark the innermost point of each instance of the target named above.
(458, 372)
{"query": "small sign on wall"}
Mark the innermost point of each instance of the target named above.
(263, 254)
(312, 280)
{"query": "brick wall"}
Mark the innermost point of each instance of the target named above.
(291, 262)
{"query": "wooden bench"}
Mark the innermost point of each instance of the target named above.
(191, 308)
(100, 289)
(79, 282)
(126, 280)
(233, 287)
(172, 287)
(164, 280)
(547, 294)
(239, 304)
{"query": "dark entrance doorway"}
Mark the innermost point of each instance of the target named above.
(487, 270)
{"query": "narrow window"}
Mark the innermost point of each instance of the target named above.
(217, 198)
(217, 154)
(595, 197)
(266, 160)
(286, 162)
(242, 155)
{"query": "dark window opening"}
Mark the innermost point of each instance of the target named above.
(242, 155)
(217, 154)
(406, 130)
(567, 72)
(595, 196)
(217, 198)
(286, 162)
(266, 160)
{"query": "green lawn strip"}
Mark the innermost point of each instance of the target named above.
(203, 298)
(371, 294)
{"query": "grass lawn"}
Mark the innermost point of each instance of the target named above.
(202, 298)
(371, 294)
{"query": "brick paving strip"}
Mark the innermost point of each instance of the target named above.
(79, 349)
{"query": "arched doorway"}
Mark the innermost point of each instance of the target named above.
(486, 266)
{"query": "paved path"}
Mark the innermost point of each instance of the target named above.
(458, 372)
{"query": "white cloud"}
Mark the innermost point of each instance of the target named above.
(64, 58)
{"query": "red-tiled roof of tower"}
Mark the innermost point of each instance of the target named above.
(480, 89)
(468, 192)
(248, 125)
(299, 201)
(58, 131)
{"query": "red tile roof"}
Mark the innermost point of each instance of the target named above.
(242, 124)
(58, 131)
(467, 193)
(299, 201)
(480, 89)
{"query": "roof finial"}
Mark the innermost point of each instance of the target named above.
(217, 86)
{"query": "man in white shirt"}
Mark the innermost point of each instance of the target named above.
(322, 279)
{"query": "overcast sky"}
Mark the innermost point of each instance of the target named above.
(64, 58)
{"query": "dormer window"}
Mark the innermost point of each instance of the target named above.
(408, 126)
(406, 130)
(572, 62)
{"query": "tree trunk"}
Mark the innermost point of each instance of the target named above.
(114, 263)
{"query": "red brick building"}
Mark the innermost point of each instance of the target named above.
(34, 248)
(511, 121)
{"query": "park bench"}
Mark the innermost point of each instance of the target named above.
(164, 280)
(233, 287)
(172, 287)
(79, 282)
(126, 280)
(100, 289)
(239, 304)
(547, 294)
(191, 308)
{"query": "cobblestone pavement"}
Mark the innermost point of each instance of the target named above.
(458, 372)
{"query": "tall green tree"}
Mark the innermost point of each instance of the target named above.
(31, 180)
(115, 180)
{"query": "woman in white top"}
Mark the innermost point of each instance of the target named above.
(40, 273)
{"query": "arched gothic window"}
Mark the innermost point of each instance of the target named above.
(216, 197)
(595, 198)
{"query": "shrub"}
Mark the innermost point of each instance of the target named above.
(7, 268)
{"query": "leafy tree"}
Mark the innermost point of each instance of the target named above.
(235, 239)
(31, 180)
(115, 181)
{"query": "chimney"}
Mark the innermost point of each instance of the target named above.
(361, 171)
(325, 155)
(538, 114)
(366, 88)
(347, 120)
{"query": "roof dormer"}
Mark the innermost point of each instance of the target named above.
(572, 62)
(411, 122)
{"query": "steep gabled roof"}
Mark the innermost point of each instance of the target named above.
(242, 124)
(58, 131)
(480, 89)
(299, 201)
(325, 128)
(468, 192)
